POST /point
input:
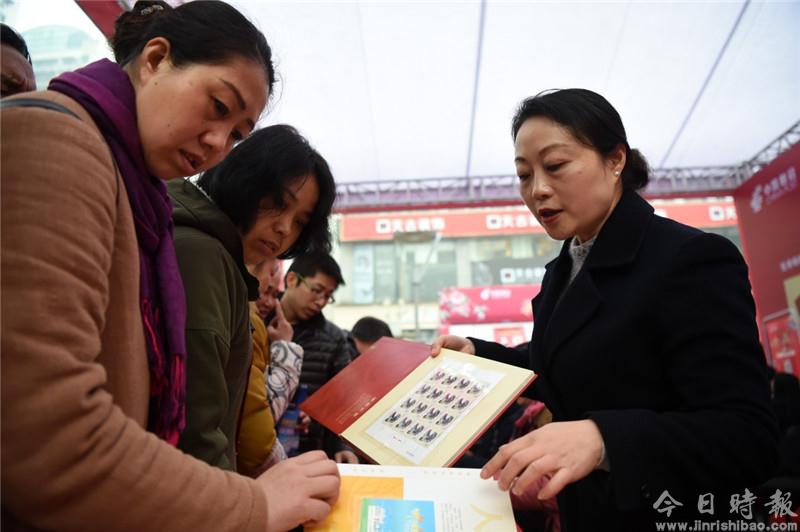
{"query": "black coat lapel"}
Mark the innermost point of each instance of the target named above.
(552, 284)
(580, 302)
(616, 246)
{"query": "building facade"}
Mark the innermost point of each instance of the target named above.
(468, 271)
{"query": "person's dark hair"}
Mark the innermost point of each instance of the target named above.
(592, 121)
(370, 330)
(208, 32)
(264, 166)
(310, 264)
(14, 40)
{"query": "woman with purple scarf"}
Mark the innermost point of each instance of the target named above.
(93, 349)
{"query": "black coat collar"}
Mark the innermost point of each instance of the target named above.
(620, 238)
(617, 244)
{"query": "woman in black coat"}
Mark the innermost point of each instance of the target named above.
(645, 339)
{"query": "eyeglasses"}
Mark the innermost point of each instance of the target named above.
(318, 291)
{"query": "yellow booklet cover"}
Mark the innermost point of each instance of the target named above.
(417, 499)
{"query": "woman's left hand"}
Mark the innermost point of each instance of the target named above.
(568, 450)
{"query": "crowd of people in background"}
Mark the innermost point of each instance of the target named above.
(153, 337)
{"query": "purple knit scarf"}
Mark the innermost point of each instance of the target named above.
(105, 91)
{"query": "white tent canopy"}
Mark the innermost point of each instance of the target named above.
(407, 90)
(385, 89)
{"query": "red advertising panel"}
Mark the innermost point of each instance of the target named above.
(508, 221)
(784, 343)
(768, 207)
(487, 304)
(510, 336)
(103, 13)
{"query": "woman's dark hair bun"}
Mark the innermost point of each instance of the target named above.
(636, 173)
(131, 25)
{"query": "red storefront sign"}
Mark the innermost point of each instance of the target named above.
(508, 221)
(487, 304)
(768, 206)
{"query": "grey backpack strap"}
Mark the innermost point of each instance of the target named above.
(36, 102)
(53, 106)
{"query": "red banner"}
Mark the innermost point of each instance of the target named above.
(784, 343)
(508, 221)
(487, 304)
(768, 206)
(510, 336)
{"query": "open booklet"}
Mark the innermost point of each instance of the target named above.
(398, 406)
(395, 498)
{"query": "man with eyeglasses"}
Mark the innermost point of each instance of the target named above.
(310, 283)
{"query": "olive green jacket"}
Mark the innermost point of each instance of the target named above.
(218, 342)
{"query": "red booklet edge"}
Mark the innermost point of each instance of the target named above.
(500, 411)
(377, 371)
